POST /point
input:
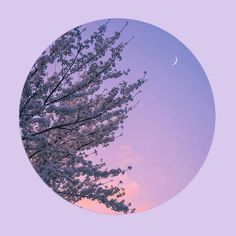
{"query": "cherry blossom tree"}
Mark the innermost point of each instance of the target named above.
(67, 112)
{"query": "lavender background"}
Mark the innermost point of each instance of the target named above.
(206, 207)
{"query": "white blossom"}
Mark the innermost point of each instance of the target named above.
(65, 113)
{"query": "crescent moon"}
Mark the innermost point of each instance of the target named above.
(176, 61)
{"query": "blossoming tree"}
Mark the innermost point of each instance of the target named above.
(67, 112)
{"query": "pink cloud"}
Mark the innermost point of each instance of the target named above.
(127, 156)
(131, 189)
(143, 207)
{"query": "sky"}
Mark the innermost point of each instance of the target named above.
(166, 138)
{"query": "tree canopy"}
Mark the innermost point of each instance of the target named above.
(67, 112)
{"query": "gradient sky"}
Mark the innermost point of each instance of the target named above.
(166, 138)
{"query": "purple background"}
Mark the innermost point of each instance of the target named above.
(206, 207)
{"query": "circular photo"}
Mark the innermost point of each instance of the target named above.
(117, 116)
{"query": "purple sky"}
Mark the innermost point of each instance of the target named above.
(167, 136)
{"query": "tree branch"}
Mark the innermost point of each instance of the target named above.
(30, 98)
(64, 76)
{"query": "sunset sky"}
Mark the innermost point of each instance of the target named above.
(166, 138)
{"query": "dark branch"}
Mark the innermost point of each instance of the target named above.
(64, 76)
